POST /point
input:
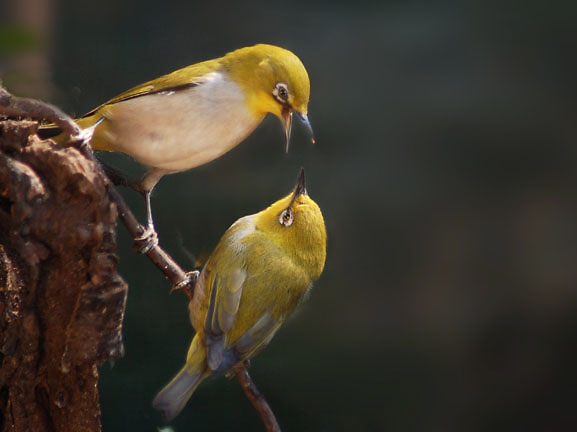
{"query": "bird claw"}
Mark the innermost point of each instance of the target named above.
(187, 284)
(146, 241)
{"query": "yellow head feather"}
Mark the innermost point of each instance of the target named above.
(259, 69)
(295, 223)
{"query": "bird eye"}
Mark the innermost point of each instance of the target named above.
(281, 92)
(286, 217)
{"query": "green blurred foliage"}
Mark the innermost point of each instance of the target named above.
(16, 39)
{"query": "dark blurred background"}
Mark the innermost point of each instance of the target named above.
(445, 167)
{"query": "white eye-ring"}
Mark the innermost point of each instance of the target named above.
(286, 217)
(281, 92)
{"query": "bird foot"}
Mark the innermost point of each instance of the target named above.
(147, 240)
(187, 284)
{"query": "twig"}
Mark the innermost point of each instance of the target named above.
(181, 281)
(185, 282)
(256, 398)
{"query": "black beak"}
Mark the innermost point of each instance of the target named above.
(307, 124)
(300, 188)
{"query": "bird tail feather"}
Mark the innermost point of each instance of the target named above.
(174, 396)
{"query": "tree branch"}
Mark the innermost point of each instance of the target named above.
(256, 398)
(181, 280)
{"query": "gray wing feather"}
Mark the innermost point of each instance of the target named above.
(221, 315)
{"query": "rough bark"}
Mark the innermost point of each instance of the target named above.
(61, 299)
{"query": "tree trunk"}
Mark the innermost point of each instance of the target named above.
(61, 299)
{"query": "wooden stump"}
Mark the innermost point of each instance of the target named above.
(61, 299)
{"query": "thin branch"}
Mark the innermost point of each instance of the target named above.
(256, 398)
(185, 282)
(181, 281)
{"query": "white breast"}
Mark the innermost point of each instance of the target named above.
(175, 131)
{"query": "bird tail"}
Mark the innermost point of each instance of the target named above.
(174, 396)
(88, 124)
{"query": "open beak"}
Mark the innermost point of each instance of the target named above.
(287, 121)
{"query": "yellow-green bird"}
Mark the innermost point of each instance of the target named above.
(260, 271)
(196, 114)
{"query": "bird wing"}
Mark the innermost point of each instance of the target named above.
(233, 333)
(222, 310)
(221, 316)
(257, 337)
(190, 76)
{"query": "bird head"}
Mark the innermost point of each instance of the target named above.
(274, 80)
(295, 223)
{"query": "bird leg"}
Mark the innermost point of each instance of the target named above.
(148, 239)
(149, 222)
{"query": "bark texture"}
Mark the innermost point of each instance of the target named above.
(61, 299)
